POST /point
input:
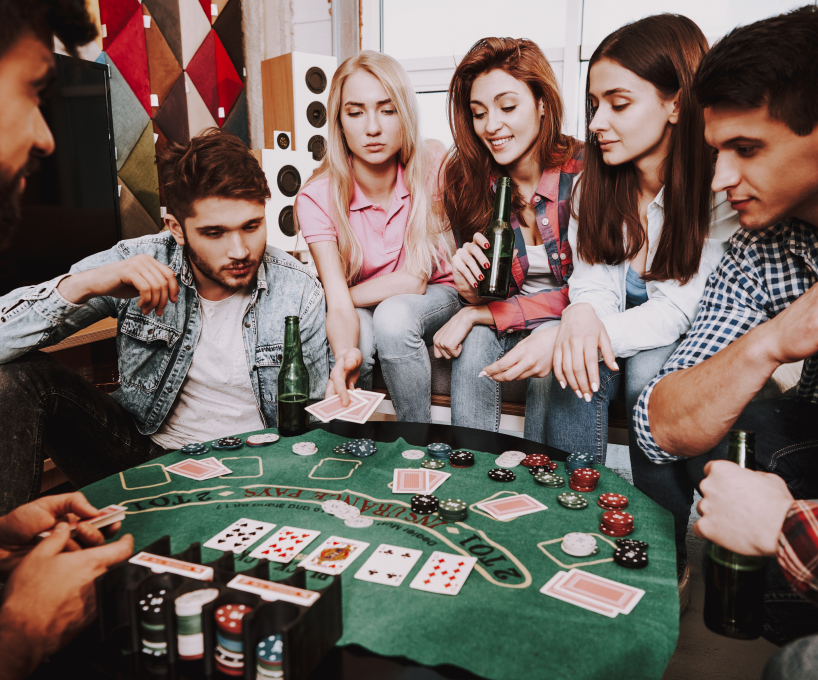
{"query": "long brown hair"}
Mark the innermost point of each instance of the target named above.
(469, 166)
(665, 50)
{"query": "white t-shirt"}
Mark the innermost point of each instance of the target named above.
(539, 275)
(216, 398)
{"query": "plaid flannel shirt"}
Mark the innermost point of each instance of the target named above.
(798, 549)
(762, 273)
(551, 203)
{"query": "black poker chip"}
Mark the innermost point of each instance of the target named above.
(424, 504)
(631, 558)
(631, 543)
(228, 443)
(502, 475)
(537, 469)
(461, 458)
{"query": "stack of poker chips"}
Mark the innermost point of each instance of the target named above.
(584, 480)
(631, 554)
(270, 658)
(361, 448)
(579, 460)
(453, 510)
(616, 523)
(189, 622)
(549, 479)
(510, 459)
(305, 448)
(461, 459)
(578, 544)
(612, 501)
(195, 449)
(424, 504)
(439, 451)
(152, 623)
(229, 646)
(502, 475)
(572, 501)
(262, 439)
(535, 460)
(228, 443)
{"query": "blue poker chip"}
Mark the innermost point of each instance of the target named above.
(438, 446)
(270, 649)
(361, 448)
(196, 449)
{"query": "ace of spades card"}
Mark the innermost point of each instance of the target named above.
(443, 573)
(239, 536)
(284, 544)
(388, 565)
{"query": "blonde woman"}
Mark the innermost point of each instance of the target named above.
(377, 233)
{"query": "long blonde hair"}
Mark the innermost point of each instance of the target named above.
(426, 239)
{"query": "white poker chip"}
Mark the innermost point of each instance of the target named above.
(506, 462)
(578, 544)
(304, 448)
(331, 507)
(513, 455)
(413, 454)
(258, 439)
(191, 603)
(347, 512)
(359, 522)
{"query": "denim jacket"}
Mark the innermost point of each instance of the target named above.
(155, 352)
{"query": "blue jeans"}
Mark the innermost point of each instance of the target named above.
(399, 330)
(797, 661)
(476, 402)
(575, 425)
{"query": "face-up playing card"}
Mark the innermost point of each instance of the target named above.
(552, 588)
(443, 573)
(361, 414)
(284, 544)
(510, 507)
(388, 565)
(331, 408)
(333, 555)
(199, 470)
(601, 590)
(239, 536)
(410, 480)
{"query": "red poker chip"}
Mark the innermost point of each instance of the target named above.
(613, 501)
(617, 517)
(582, 489)
(585, 473)
(616, 534)
(228, 617)
(535, 459)
(551, 466)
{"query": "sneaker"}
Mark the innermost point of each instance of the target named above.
(683, 574)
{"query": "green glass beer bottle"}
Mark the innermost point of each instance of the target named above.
(293, 384)
(500, 235)
(734, 583)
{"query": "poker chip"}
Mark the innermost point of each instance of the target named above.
(359, 522)
(330, 507)
(340, 450)
(550, 480)
(433, 464)
(535, 459)
(578, 544)
(509, 459)
(537, 469)
(361, 448)
(461, 459)
(424, 504)
(189, 636)
(413, 454)
(347, 511)
(453, 510)
(228, 443)
(439, 450)
(612, 501)
(575, 461)
(502, 475)
(631, 543)
(584, 480)
(270, 657)
(631, 558)
(195, 449)
(262, 439)
(552, 466)
(616, 523)
(304, 448)
(228, 617)
(572, 501)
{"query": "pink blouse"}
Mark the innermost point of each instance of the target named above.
(380, 232)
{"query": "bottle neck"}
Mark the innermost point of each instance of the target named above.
(741, 449)
(292, 344)
(502, 202)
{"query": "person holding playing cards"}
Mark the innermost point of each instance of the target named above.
(48, 596)
(506, 115)
(373, 221)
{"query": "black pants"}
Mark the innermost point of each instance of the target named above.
(786, 434)
(49, 411)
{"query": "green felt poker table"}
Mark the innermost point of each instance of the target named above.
(499, 626)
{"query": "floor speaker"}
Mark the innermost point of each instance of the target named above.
(295, 87)
(286, 173)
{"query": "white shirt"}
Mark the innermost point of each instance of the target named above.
(216, 398)
(671, 307)
(539, 275)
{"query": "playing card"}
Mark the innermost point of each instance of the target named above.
(199, 470)
(361, 414)
(333, 555)
(160, 565)
(443, 573)
(602, 590)
(284, 544)
(274, 591)
(436, 478)
(388, 565)
(239, 536)
(552, 588)
(410, 480)
(331, 408)
(107, 516)
(512, 506)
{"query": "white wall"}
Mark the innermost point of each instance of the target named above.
(312, 26)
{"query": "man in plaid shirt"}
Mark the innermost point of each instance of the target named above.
(759, 88)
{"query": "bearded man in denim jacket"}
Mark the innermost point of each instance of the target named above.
(200, 312)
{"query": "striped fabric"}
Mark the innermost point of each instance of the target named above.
(551, 202)
(798, 548)
(762, 274)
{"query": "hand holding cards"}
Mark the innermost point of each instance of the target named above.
(362, 404)
(107, 516)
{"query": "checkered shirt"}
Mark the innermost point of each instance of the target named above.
(762, 273)
(798, 549)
